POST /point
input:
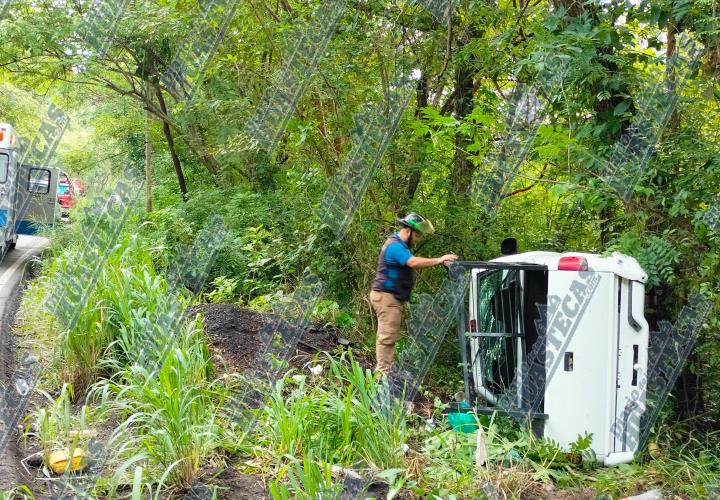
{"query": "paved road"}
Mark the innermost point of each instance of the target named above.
(13, 266)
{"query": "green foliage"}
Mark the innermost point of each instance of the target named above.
(224, 290)
(159, 376)
(56, 427)
(116, 311)
(269, 245)
(329, 313)
(557, 198)
(21, 492)
(171, 417)
(655, 254)
(341, 419)
(308, 480)
(582, 444)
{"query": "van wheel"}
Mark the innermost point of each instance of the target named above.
(12, 245)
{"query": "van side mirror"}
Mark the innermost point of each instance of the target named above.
(508, 246)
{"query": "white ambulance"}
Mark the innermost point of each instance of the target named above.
(28, 193)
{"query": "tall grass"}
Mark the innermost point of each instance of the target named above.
(53, 426)
(125, 285)
(171, 407)
(173, 413)
(305, 480)
(335, 418)
(156, 373)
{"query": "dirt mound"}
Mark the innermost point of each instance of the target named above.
(233, 332)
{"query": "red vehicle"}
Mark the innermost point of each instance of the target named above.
(67, 192)
(78, 186)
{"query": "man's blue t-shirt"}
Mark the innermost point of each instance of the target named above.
(397, 254)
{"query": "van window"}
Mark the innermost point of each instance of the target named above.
(39, 181)
(4, 163)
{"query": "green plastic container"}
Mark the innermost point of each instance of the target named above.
(461, 421)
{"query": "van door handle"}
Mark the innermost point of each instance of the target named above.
(631, 319)
(635, 366)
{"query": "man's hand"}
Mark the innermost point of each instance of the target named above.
(450, 257)
(422, 262)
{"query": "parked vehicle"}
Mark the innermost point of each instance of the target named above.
(28, 193)
(67, 193)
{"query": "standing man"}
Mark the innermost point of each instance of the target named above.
(394, 281)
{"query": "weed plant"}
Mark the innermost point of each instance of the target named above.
(172, 414)
(340, 418)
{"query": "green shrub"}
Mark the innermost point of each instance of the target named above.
(223, 290)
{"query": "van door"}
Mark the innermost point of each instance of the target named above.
(37, 192)
(631, 366)
(6, 195)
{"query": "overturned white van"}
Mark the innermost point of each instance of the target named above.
(561, 339)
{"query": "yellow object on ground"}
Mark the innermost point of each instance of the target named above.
(58, 460)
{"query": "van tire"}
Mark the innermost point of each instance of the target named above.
(12, 245)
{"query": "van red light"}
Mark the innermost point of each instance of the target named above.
(2, 134)
(572, 264)
(473, 325)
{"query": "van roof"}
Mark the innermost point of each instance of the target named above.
(617, 263)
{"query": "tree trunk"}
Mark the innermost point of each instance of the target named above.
(196, 144)
(672, 31)
(464, 90)
(148, 153)
(689, 390)
(171, 144)
(421, 95)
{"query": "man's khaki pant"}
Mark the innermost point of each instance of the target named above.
(389, 315)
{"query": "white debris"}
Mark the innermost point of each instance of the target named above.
(648, 495)
(481, 450)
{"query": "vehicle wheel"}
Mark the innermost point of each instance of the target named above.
(12, 245)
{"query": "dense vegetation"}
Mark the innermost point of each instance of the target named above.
(589, 64)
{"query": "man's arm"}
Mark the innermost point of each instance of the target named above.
(423, 262)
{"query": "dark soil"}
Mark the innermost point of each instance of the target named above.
(233, 332)
(230, 485)
(234, 485)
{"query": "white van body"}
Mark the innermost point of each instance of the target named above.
(595, 369)
(9, 170)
